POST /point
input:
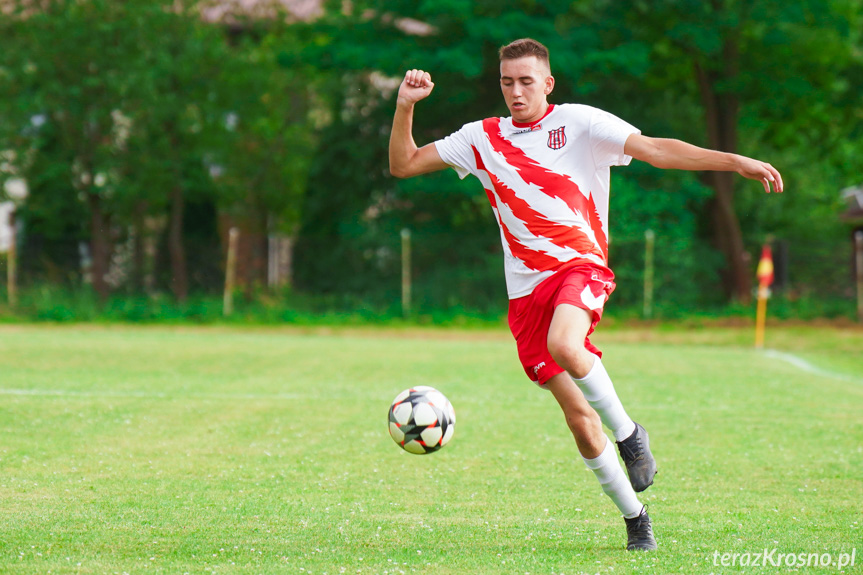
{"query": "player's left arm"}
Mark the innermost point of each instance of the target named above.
(676, 155)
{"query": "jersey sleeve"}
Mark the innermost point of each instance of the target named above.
(608, 134)
(457, 149)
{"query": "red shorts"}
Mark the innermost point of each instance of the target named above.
(585, 286)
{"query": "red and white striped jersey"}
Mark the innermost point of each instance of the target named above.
(548, 184)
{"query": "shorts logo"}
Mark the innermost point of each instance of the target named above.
(536, 368)
(591, 301)
(557, 138)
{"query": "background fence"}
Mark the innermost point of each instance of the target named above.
(448, 275)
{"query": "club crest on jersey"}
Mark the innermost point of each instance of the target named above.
(557, 138)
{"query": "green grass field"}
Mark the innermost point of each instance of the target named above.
(159, 450)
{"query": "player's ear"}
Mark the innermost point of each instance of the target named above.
(549, 84)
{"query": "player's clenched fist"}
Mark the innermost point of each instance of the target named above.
(416, 86)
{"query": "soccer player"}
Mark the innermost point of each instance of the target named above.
(545, 170)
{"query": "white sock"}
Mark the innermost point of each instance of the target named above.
(599, 393)
(614, 483)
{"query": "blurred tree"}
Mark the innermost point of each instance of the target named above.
(140, 107)
(751, 77)
(748, 77)
(58, 91)
(272, 137)
(365, 53)
(354, 209)
(126, 113)
(185, 120)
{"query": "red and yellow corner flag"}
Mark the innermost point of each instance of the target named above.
(765, 267)
(764, 273)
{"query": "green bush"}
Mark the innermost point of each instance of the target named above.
(57, 304)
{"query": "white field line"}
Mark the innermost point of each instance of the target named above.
(145, 395)
(772, 353)
(801, 363)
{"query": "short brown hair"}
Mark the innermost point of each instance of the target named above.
(522, 48)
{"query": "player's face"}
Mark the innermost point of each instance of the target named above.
(525, 83)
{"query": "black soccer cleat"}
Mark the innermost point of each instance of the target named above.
(639, 533)
(640, 464)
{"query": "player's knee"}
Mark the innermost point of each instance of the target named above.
(570, 355)
(583, 423)
(562, 350)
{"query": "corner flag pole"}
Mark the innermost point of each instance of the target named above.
(765, 278)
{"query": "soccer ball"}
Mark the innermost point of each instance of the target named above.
(421, 420)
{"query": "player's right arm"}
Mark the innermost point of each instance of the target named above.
(672, 154)
(406, 159)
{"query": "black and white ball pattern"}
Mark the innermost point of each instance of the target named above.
(421, 420)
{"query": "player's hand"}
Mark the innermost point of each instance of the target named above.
(761, 171)
(416, 86)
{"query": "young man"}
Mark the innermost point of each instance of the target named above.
(546, 173)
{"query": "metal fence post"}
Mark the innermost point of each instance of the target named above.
(858, 251)
(406, 272)
(230, 272)
(649, 240)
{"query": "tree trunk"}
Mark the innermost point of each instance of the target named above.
(138, 256)
(99, 249)
(179, 279)
(729, 239)
(253, 244)
(721, 111)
